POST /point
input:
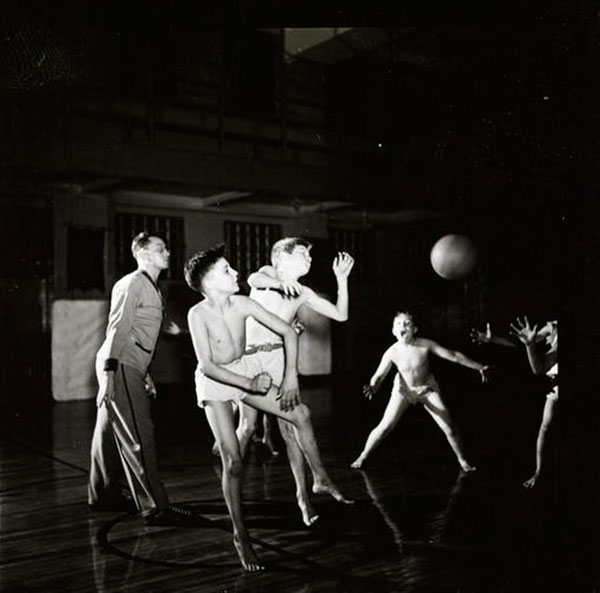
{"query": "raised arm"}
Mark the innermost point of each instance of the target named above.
(266, 277)
(342, 266)
(199, 334)
(458, 358)
(528, 335)
(487, 337)
(385, 364)
(289, 391)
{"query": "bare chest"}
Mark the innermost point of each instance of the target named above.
(227, 334)
(410, 358)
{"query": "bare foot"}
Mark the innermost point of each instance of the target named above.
(247, 556)
(357, 463)
(309, 515)
(531, 482)
(467, 467)
(331, 489)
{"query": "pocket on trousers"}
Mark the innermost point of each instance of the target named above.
(142, 348)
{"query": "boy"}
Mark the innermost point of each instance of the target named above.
(541, 364)
(226, 373)
(277, 288)
(414, 383)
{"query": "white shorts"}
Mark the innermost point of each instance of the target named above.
(208, 389)
(416, 394)
(272, 362)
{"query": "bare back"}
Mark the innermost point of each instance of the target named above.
(275, 302)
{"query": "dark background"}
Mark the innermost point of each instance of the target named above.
(486, 114)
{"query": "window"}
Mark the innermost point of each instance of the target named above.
(359, 244)
(168, 228)
(249, 245)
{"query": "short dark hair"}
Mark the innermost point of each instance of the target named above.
(140, 241)
(287, 245)
(406, 313)
(200, 264)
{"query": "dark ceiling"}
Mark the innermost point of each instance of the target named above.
(477, 104)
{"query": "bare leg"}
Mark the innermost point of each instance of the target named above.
(215, 447)
(220, 420)
(267, 439)
(547, 417)
(397, 405)
(246, 426)
(438, 411)
(296, 461)
(305, 435)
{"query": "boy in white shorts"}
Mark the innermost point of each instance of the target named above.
(225, 373)
(540, 363)
(277, 288)
(546, 363)
(414, 383)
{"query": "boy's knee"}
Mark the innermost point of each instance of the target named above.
(287, 430)
(247, 428)
(449, 431)
(301, 414)
(232, 464)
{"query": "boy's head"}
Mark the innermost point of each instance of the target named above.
(404, 328)
(293, 255)
(549, 332)
(150, 250)
(209, 269)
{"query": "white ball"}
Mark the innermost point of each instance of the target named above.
(454, 257)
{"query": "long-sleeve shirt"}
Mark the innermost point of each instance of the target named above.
(134, 322)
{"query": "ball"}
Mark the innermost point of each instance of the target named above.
(454, 257)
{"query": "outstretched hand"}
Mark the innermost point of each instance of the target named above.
(523, 331)
(342, 265)
(485, 373)
(482, 337)
(261, 383)
(368, 391)
(172, 328)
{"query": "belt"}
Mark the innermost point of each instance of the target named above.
(253, 348)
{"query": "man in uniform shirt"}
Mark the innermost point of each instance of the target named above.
(124, 432)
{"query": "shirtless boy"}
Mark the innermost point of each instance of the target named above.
(541, 363)
(277, 289)
(414, 383)
(225, 373)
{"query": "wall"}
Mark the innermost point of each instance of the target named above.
(174, 355)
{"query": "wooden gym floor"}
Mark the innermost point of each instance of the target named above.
(417, 524)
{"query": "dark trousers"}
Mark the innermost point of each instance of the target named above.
(124, 441)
